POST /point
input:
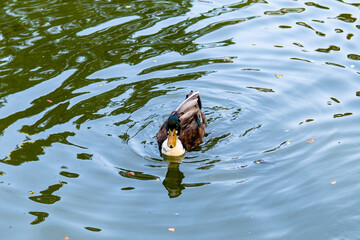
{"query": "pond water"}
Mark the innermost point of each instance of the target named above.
(85, 86)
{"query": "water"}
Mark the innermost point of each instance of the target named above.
(85, 86)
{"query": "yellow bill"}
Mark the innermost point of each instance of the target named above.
(171, 139)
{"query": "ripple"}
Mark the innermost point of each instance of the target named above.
(106, 25)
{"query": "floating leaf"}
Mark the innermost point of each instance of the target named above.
(311, 140)
(128, 7)
(333, 182)
(171, 229)
(278, 75)
(131, 173)
(31, 192)
(100, 85)
(49, 101)
(155, 61)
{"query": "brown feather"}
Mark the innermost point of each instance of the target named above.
(191, 133)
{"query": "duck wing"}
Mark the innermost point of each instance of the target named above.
(192, 119)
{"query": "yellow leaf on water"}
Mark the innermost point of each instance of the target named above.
(100, 85)
(155, 61)
(333, 182)
(128, 7)
(278, 75)
(171, 229)
(31, 192)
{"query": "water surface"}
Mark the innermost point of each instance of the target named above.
(85, 86)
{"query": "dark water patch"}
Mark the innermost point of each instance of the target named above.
(69, 174)
(321, 34)
(334, 64)
(136, 175)
(285, 26)
(276, 148)
(338, 30)
(301, 59)
(47, 196)
(312, 4)
(298, 44)
(30, 150)
(335, 100)
(84, 156)
(186, 65)
(93, 229)
(349, 36)
(40, 217)
(251, 129)
(327, 50)
(261, 89)
(353, 56)
(284, 11)
(346, 17)
(338, 115)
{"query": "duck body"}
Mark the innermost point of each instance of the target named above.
(184, 128)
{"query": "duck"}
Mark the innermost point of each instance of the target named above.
(184, 128)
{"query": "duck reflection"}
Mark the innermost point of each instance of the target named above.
(173, 180)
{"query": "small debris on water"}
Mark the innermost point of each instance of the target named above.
(311, 140)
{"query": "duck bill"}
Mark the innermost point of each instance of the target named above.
(171, 143)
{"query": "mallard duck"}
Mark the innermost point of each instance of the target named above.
(184, 128)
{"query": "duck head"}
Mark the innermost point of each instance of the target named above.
(173, 127)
